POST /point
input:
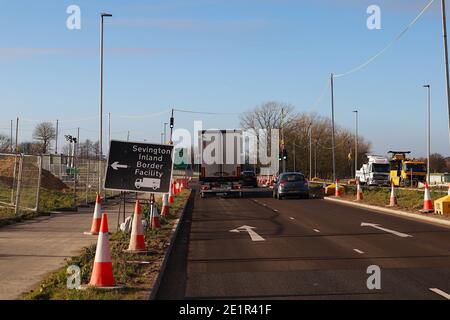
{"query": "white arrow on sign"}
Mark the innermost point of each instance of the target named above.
(253, 235)
(117, 166)
(377, 226)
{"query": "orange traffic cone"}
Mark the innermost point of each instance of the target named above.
(393, 199)
(155, 224)
(97, 218)
(137, 240)
(427, 202)
(337, 191)
(359, 193)
(171, 200)
(102, 275)
(165, 211)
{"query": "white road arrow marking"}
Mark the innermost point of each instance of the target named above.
(253, 235)
(377, 226)
(117, 166)
(441, 293)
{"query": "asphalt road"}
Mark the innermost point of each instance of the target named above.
(312, 249)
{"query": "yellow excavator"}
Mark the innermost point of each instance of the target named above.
(406, 172)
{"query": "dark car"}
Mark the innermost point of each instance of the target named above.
(291, 184)
(248, 179)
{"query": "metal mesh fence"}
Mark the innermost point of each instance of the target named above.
(48, 182)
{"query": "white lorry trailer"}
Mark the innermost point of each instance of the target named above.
(376, 172)
(220, 165)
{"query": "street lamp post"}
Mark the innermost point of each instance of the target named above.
(428, 131)
(165, 132)
(310, 151)
(356, 141)
(332, 128)
(102, 16)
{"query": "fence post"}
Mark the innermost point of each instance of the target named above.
(19, 180)
(38, 191)
(88, 180)
(14, 179)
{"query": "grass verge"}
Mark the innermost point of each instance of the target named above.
(407, 199)
(137, 278)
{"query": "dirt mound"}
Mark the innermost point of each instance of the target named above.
(29, 175)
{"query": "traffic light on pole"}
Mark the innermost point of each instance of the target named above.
(285, 154)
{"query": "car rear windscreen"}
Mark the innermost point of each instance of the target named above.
(293, 178)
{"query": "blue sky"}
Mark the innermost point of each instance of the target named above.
(222, 56)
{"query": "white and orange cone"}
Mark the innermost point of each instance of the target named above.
(137, 239)
(102, 274)
(165, 211)
(337, 192)
(171, 199)
(427, 202)
(359, 193)
(155, 223)
(393, 198)
(97, 218)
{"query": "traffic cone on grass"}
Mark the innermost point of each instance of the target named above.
(97, 218)
(137, 239)
(393, 198)
(154, 222)
(427, 202)
(165, 211)
(359, 193)
(337, 192)
(102, 274)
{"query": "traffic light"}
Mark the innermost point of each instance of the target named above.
(285, 154)
(280, 156)
(172, 122)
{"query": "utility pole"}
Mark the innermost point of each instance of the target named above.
(332, 128)
(310, 151)
(128, 136)
(428, 131)
(11, 143)
(17, 135)
(78, 141)
(56, 139)
(356, 141)
(172, 124)
(165, 132)
(109, 129)
(102, 16)
(283, 145)
(447, 75)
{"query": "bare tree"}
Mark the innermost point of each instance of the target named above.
(269, 115)
(44, 133)
(5, 143)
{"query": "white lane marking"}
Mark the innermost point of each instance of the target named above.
(377, 226)
(441, 293)
(358, 251)
(317, 230)
(291, 218)
(275, 210)
(253, 235)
